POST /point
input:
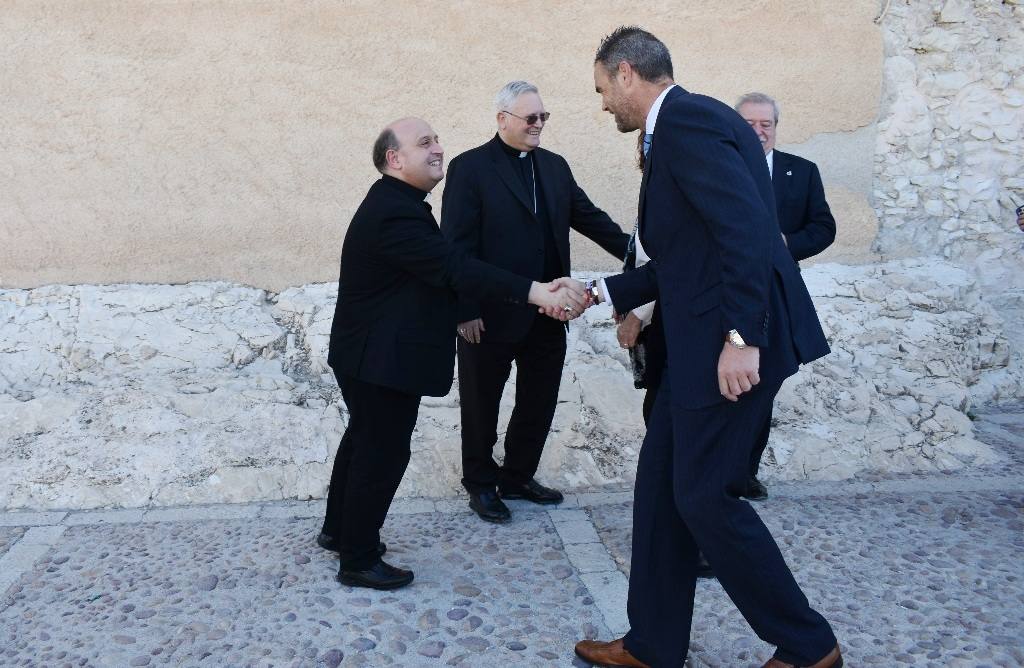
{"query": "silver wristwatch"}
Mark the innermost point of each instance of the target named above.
(592, 291)
(734, 338)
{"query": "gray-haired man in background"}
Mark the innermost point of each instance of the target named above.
(804, 217)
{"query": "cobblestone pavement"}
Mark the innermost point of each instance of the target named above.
(917, 571)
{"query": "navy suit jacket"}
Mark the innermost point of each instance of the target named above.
(394, 323)
(708, 221)
(804, 216)
(488, 214)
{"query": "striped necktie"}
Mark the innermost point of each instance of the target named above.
(647, 143)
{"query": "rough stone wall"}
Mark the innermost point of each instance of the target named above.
(951, 139)
(949, 165)
(133, 395)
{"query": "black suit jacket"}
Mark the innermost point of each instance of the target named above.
(804, 216)
(394, 323)
(488, 214)
(708, 221)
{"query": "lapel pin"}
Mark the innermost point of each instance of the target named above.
(790, 173)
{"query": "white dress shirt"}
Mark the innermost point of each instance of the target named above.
(652, 118)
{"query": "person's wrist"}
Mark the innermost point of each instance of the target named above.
(593, 291)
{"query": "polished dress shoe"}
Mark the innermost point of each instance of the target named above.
(379, 576)
(489, 507)
(607, 654)
(756, 491)
(833, 659)
(327, 542)
(704, 569)
(531, 490)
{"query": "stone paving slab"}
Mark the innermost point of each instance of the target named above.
(905, 579)
(9, 536)
(256, 592)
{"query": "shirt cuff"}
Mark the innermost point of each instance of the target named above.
(644, 313)
(606, 296)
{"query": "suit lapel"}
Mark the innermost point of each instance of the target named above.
(648, 161)
(504, 169)
(780, 165)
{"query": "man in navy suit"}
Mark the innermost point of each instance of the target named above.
(737, 321)
(806, 222)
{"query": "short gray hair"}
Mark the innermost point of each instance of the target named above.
(510, 92)
(759, 98)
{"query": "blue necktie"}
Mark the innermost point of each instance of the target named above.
(647, 143)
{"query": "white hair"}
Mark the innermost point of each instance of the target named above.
(510, 92)
(759, 98)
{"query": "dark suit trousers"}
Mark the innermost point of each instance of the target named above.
(760, 444)
(691, 471)
(484, 369)
(368, 467)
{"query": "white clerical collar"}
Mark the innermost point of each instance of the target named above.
(652, 115)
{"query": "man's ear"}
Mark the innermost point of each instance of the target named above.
(500, 118)
(625, 73)
(394, 161)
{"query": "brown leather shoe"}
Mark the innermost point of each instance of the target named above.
(607, 654)
(831, 660)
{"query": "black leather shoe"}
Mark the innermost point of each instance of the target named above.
(327, 542)
(756, 491)
(379, 576)
(489, 507)
(531, 491)
(704, 569)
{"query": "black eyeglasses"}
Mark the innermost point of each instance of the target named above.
(532, 118)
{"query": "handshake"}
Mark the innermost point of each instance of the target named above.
(562, 299)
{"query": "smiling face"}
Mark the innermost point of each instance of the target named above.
(513, 128)
(615, 97)
(761, 117)
(419, 158)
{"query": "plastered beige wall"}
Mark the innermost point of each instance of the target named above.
(180, 141)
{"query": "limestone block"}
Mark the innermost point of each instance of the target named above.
(955, 11)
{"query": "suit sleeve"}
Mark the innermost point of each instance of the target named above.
(817, 231)
(706, 164)
(461, 212)
(631, 289)
(414, 245)
(595, 224)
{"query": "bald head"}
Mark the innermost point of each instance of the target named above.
(408, 150)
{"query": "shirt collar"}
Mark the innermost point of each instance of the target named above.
(410, 190)
(652, 115)
(513, 152)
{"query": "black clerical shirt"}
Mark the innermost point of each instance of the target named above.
(407, 189)
(525, 166)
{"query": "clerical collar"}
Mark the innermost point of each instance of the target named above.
(408, 189)
(514, 152)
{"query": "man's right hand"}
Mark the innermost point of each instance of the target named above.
(562, 299)
(471, 330)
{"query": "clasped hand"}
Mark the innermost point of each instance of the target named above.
(562, 299)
